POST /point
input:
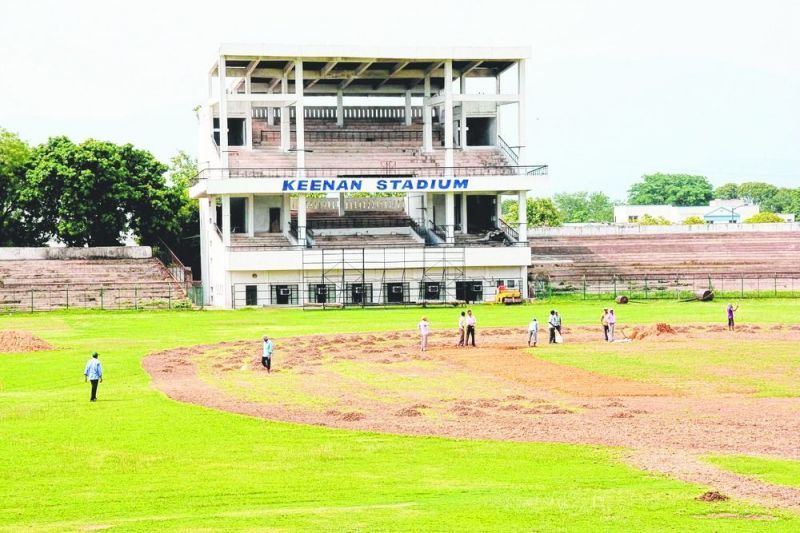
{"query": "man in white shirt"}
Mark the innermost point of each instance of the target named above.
(470, 327)
(266, 354)
(533, 332)
(423, 333)
(462, 328)
(551, 326)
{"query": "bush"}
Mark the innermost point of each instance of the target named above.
(649, 220)
(764, 217)
(693, 220)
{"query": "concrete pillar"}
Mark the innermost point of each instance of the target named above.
(427, 126)
(270, 112)
(300, 115)
(523, 215)
(448, 117)
(223, 112)
(286, 213)
(499, 210)
(286, 121)
(339, 108)
(341, 203)
(408, 108)
(301, 218)
(521, 110)
(464, 213)
(248, 120)
(226, 220)
(251, 218)
(205, 266)
(497, 110)
(463, 129)
(450, 215)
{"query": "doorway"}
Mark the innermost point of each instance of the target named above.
(396, 293)
(274, 219)
(284, 294)
(238, 215)
(481, 211)
(469, 291)
(359, 293)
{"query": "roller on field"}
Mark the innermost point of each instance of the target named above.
(702, 295)
(508, 296)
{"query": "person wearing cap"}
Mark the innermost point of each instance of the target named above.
(94, 374)
(423, 333)
(266, 354)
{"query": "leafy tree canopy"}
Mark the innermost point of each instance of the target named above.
(671, 189)
(757, 192)
(585, 207)
(96, 193)
(650, 220)
(694, 219)
(764, 217)
(729, 191)
(14, 155)
(541, 212)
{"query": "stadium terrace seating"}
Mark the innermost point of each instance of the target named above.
(360, 144)
(259, 240)
(366, 241)
(356, 219)
(50, 284)
(571, 258)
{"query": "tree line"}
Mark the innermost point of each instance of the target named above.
(657, 189)
(95, 193)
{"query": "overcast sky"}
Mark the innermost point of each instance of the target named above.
(617, 88)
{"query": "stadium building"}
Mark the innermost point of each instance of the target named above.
(358, 176)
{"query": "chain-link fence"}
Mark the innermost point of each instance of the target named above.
(676, 286)
(161, 295)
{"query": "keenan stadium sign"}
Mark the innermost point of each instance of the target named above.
(382, 184)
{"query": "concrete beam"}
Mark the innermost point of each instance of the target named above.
(358, 72)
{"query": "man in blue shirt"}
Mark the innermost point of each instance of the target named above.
(93, 373)
(266, 355)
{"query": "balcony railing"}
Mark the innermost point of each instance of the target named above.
(371, 113)
(373, 172)
(352, 135)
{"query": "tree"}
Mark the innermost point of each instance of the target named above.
(694, 219)
(183, 236)
(650, 220)
(97, 193)
(585, 207)
(757, 192)
(729, 191)
(15, 229)
(671, 189)
(764, 217)
(541, 212)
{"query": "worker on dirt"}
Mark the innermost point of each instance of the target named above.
(462, 328)
(604, 323)
(551, 326)
(533, 332)
(423, 327)
(611, 320)
(471, 321)
(731, 310)
(266, 354)
(558, 323)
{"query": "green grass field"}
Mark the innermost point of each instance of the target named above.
(776, 471)
(136, 460)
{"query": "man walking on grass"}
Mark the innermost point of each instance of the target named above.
(611, 319)
(266, 355)
(551, 326)
(93, 373)
(533, 332)
(462, 328)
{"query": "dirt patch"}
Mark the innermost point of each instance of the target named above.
(499, 390)
(655, 330)
(21, 341)
(712, 496)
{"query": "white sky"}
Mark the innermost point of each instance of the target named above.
(617, 88)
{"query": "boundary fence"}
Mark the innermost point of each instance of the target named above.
(678, 286)
(156, 295)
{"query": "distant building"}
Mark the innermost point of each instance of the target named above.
(717, 212)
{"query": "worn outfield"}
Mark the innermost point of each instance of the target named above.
(581, 436)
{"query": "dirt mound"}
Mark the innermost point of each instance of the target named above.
(21, 341)
(712, 496)
(652, 331)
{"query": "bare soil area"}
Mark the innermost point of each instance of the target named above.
(21, 341)
(497, 390)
